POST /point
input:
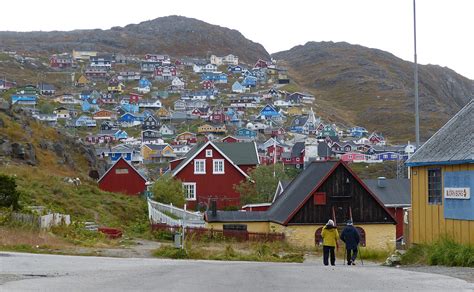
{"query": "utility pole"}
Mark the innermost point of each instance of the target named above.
(417, 114)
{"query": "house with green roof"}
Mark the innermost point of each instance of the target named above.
(210, 170)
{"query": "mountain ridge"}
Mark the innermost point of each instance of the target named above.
(375, 88)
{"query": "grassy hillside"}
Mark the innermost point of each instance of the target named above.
(44, 184)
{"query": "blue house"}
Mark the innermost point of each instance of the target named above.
(234, 69)
(215, 77)
(243, 132)
(116, 155)
(388, 156)
(128, 118)
(129, 107)
(85, 121)
(120, 135)
(358, 132)
(85, 94)
(269, 112)
(23, 99)
(143, 82)
(250, 81)
(237, 87)
(89, 105)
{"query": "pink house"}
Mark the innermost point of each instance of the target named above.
(353, 157)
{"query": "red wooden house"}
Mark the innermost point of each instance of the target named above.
(61, 61)
(261, 64)
(135, 97)
(211, 169)
(296, 156)
(122, 177)
(207, 84)
(218, 116)
(230, 139)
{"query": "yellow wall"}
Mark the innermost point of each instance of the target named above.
(147, 152)
(378, 236)
(427, 221)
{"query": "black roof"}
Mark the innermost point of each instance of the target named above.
(295, 193)
(452, 144)
(297, 148)
(396, 192)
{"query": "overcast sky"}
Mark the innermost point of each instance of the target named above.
(445, 27)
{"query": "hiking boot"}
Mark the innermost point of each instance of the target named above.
(353, 263)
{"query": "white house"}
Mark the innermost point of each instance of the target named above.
(149, 103)
(226, 60)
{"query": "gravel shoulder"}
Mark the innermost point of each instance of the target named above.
(462, 273)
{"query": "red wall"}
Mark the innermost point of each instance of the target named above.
(130, 184)
(398, 214)
(209, 185)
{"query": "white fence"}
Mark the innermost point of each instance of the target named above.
(157, 214)
(45, 221)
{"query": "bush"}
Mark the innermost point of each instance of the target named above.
(170, 252)
(444, 252)
(168, 190)
(9, 195)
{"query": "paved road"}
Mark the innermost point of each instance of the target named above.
(19, 272)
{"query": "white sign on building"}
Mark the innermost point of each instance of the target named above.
(457, 193)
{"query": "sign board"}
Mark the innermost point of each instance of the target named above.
(457, 193)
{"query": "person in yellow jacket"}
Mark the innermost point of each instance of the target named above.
(330, 236)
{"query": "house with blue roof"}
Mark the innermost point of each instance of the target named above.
(216, 77)
(269, 112)
(23, 99)
(130, 118)
(250, 81)
(89, 105)
(120, 135)
(237, 87)
(358, 132)
(144, 85)
(85, 121)
(247, 133)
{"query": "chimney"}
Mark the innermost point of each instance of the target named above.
(213, 208)
(381, 182)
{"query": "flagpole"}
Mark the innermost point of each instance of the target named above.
(417, 114)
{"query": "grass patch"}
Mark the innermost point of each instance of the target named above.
(444, 252)
(233, 251)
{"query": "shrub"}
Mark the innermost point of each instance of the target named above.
(168, 190)
(444, 252)
(9, 195)
(170, 253)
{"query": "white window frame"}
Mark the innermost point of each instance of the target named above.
(198, 162)
(215, 166)
(187, 197)
(208, 152)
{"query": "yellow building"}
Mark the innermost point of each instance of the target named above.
(442, 180)
(220, 129)
(162, 112)
(324, 190)
(157, 152)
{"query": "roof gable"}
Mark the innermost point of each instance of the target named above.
(198, 148)
(301, 189)
(452, 144)
(121, 160)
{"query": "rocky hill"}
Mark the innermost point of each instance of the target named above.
(173, 35)
(372, 88)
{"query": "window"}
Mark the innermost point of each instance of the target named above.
(434, 186)
(208, 153)
(218, 166)
(190, 191)
(199, 166)
(121, 171)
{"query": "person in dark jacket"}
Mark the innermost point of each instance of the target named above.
(350, 236)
